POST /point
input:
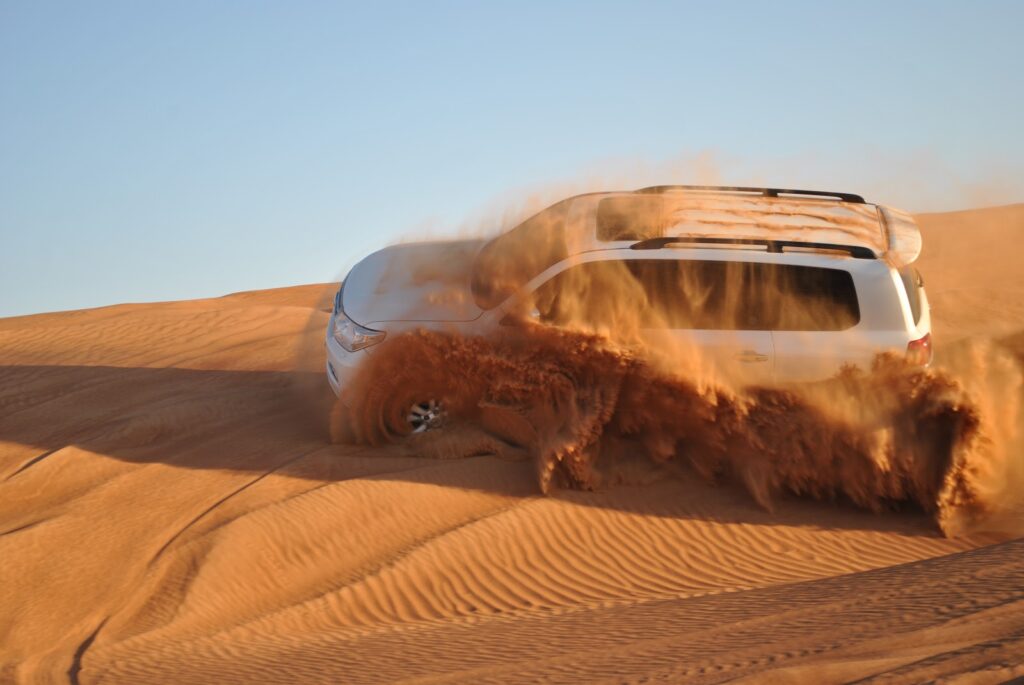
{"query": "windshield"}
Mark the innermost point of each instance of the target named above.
(504, 265)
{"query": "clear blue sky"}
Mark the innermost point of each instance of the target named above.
(168, 150)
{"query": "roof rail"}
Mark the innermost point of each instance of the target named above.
(766, 192)
(855, 251)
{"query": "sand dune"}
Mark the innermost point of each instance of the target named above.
(171, 510)
(971, 266)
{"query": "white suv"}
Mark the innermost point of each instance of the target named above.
(771, 285)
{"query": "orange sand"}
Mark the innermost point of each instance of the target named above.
(171, 510)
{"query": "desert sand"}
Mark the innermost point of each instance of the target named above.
(172, 510)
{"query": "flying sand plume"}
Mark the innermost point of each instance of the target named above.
(576, 404)
(609, 381)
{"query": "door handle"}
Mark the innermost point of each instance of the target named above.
(750, 356)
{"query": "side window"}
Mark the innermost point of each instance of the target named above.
(594, 295)
(912, 283)
(807, 298)
(693, 294)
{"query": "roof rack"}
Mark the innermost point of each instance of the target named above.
(855, 251)
(766, 192)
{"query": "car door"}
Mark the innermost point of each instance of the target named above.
(816, 329)
(805, 356)
(744, 356)
(737, 357)
(707, 305)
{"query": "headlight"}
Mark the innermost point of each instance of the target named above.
(351, 335)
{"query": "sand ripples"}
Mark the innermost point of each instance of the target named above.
(168, 506)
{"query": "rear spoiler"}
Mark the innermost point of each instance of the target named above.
(902, 236)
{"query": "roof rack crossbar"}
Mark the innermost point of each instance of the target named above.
(855, 251)
(766, 192)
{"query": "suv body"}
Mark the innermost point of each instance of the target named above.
(848, 290)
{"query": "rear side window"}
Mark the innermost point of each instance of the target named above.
(912, 283)
(706, 295)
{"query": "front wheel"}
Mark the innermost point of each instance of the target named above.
(426, 416)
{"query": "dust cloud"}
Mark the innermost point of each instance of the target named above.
(585, 375)
(579, 405)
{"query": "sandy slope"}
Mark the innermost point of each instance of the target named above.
(171, 511)
(972, 267)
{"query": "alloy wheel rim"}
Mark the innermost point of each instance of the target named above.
(424, 416)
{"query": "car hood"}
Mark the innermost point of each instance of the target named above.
(427, 281)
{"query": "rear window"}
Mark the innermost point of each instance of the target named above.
(706, 295)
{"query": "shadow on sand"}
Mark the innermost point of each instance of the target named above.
(263, 422)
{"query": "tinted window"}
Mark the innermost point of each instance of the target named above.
(710, 295)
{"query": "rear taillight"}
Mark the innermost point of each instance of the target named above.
(920, 351)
